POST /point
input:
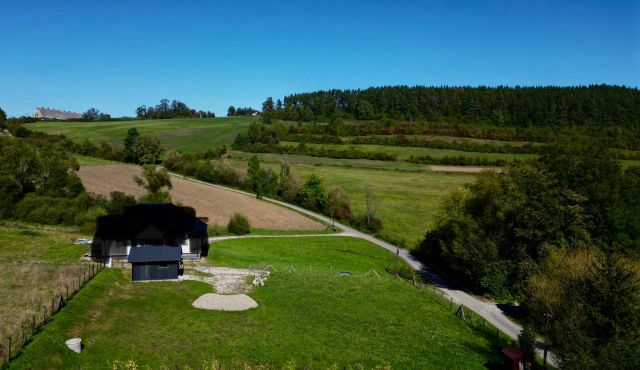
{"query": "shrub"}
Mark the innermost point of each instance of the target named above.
(313, 195)
(289, 187)
(338, 204)
(373, 226)
(239, 224)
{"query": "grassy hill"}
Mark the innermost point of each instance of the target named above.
(190, 135)
(311, 318)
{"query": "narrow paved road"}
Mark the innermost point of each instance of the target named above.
(488, 310)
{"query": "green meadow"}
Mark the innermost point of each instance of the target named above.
(404, 152)
(311, 318)
(189, 135)
(407, 201)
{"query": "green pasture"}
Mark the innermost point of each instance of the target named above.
(404, 152)
(337, 162)
(451, 139)
(312, 318)
(407, 201)
(84, 160)
(25, 243)
(189, 135)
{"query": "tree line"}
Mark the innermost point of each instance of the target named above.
(246, 111)
(171, 109)
(502, 105)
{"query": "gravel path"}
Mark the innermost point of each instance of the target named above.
(223, 302)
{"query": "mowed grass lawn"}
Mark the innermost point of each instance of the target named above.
(407, 201)
(189, 135)
(312, 318)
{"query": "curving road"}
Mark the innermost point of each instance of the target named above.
(486, 309)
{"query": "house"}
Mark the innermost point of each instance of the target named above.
(46, 113)
(154, 238)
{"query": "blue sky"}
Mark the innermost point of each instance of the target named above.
(116, 55)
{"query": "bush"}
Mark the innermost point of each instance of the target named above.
(313, 195)
(373, 226)
(239, 224)
(338, 204)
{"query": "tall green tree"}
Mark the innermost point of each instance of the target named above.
(129, 145)
(268, 106)
(262, 182)
(3, 119)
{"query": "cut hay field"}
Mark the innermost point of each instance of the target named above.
(407, 203)
(216, 204)
(310, 319)
(36, 263)
(189, 135)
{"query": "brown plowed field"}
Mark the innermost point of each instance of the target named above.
(216, 204)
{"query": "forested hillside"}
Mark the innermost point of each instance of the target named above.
(519, 106)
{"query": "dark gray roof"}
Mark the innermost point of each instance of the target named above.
(155, 253)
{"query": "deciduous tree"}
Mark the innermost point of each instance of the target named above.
(156, 182)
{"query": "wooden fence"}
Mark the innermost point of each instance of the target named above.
(11, 345)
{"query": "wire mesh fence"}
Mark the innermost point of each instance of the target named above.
(12, 343)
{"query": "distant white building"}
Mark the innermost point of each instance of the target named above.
(46, 113)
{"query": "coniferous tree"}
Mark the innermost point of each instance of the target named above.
(129, 145)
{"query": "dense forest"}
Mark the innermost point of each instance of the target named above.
(517, 106)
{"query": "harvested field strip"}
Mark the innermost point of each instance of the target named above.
(215, 203)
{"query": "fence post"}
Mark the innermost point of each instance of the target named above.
(67, 287)
(9, 350)
(33, 325)
(53, 300)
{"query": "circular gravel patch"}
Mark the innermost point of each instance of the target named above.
(220, 302)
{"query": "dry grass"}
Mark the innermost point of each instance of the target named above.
(216, 204)
(37, 264)
(29, 292)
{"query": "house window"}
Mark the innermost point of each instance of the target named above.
(163, 265)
